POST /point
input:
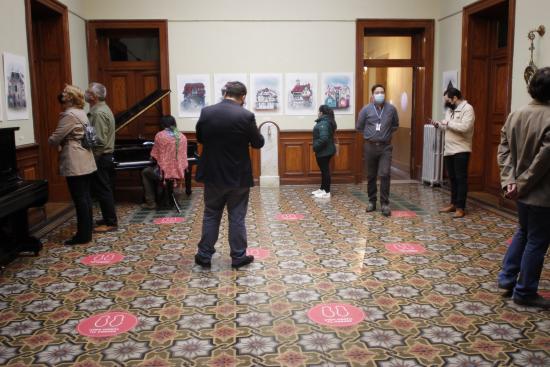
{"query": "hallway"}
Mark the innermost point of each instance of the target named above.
(434, 305)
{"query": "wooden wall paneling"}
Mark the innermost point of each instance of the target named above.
(28, 161)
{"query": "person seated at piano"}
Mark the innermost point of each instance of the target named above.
(76, 163)
(170, 154)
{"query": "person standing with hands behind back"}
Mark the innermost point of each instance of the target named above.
(378, 121)
(324, 148)
(524, 160)
(459, 130)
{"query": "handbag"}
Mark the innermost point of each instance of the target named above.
(89, 140)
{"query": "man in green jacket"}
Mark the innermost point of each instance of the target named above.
(102, 119)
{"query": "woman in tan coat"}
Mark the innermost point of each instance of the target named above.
(76, 163)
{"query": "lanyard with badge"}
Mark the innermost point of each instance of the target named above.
(379, 124)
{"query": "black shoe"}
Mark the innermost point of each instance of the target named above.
(386, 211)
(534, 301)
(100, 222)
(371, 207)
(204, 264)
(74, 241)
(508, 289)
(247, 260)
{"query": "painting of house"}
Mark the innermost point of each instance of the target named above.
(337, 92)
(220, 80)
(193, 94)
(266, 91)
(15, 83)
(301, 93)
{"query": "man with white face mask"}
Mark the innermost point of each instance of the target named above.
(378, 121)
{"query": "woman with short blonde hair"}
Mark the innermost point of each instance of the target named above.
(76, 162)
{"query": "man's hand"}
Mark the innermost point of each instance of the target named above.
(511, 191)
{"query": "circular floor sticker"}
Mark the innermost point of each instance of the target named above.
(169, 220)
(405, 248)
(545, 294)
(107, 324)
(106, 258)
(336, 314)
(509, 241)
(403, 214)
(258, 253)
(289, 216)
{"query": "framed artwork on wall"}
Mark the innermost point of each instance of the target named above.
(301, 94)
(16, 83)
(266, 94)
(337, 92)
(221, 79)
(193, 94)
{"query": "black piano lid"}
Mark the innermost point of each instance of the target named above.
(124, 118)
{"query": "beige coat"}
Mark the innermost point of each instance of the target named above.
(74, 159)
(524, 153)
(459, 129)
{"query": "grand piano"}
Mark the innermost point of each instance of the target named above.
(16, 196)
(134, 154)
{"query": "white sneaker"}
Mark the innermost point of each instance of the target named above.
(317, 192)
(323, 195)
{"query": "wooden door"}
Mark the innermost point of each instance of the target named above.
(50, 70)
(128, 82)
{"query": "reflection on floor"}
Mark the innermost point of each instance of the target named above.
(434, 308)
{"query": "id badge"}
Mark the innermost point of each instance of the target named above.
(378, 127)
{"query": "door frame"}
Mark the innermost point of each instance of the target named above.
(478, 182)
(161, 25)
(40, 128)
(422, 62)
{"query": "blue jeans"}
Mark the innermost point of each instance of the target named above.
(215, 199)
(525, 256)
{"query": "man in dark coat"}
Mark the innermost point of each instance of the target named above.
(226, 130)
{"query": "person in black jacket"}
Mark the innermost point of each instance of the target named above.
(324, 148)
(226, 130)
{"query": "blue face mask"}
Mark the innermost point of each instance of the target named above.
(379, 98)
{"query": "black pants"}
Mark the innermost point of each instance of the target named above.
(323, 163)
(378, 160)
(79, 187)
(457, 170)
(102, 188)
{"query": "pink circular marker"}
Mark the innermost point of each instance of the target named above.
(509, 241)
(545, 294)
(402, 214)
(106, 258)
(258, 253)
(336, 314)
(289, 216)
(169, 220)
(107, 324)
(405, 248)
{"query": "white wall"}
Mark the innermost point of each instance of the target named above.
(13, 39)
(219, 36)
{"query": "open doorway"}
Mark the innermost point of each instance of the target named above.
(399, 55)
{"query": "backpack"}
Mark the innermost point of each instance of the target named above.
(89, 140)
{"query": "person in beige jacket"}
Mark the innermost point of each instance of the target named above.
(524, 160)
(459, 130)
(76, 163)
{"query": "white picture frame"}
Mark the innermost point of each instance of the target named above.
(193, 92)
(221, 79)
(337, 90)
(301, 94)
(265, 96)
(16, 87)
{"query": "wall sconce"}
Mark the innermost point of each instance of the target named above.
(532, 68)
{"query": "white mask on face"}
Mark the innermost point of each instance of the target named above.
(379, 98)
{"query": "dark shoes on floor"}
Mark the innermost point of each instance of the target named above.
(535, 301)
(386, 211)
(371, 207)
(247, 260)
(508, 290)
(201, 262)
(75, 241)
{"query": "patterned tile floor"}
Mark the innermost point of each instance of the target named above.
(437, 308)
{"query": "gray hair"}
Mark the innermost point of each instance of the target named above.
(99, 90)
